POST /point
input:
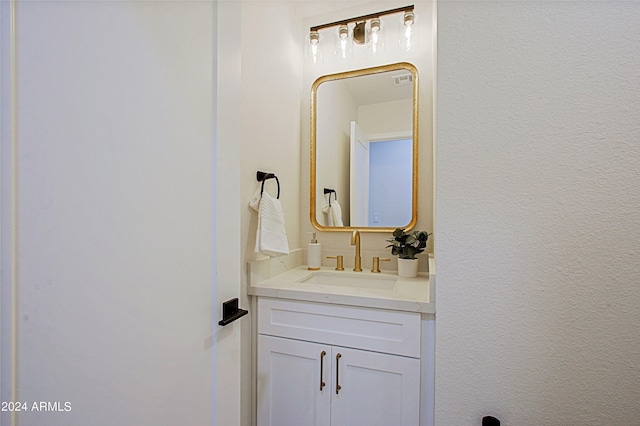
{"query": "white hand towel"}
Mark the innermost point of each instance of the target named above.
(271, 236)
(334, 212)
(255, 200)
(329, 214)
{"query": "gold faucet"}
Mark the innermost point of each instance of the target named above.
(355, 241)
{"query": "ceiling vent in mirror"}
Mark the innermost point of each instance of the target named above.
(401, 80)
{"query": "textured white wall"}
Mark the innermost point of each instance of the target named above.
(538, 194)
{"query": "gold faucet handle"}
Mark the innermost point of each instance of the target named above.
(339, 263)
(376, 263)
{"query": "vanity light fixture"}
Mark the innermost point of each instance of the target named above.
(364, 30)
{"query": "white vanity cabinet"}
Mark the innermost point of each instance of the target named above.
(325, 364)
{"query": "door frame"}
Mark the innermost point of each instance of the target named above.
(227, 404)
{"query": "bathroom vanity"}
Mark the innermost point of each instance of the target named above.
(343, 348)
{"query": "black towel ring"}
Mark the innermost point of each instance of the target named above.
(262, 177)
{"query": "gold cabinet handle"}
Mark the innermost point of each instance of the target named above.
(339, 262)
(338, 387)
(376, 263)
(322, 383)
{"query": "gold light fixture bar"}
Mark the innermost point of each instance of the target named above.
(362, 18)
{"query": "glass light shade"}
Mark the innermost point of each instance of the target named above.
(344, 43)
(375, 45)
(409, 37)
(314, 49)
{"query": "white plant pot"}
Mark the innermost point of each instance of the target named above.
(407, 268)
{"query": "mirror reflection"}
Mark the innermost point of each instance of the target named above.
(364, 149)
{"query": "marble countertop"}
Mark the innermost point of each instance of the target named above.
(406, 294)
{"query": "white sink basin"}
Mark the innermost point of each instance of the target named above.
(345, 279)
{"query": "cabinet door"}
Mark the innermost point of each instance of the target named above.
(374, 389)
(290, 382)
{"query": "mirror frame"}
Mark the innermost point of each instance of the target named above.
(312, 157)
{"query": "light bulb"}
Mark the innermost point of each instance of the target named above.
(343, 32)
(314, 38)
(375, 25)
(408, 18)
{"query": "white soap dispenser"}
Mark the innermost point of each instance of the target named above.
(314, 254)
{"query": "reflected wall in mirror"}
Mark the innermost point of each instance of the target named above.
(364, 143)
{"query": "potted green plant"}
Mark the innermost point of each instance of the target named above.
(406, 245)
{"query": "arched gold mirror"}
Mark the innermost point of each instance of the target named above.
(364, 149)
